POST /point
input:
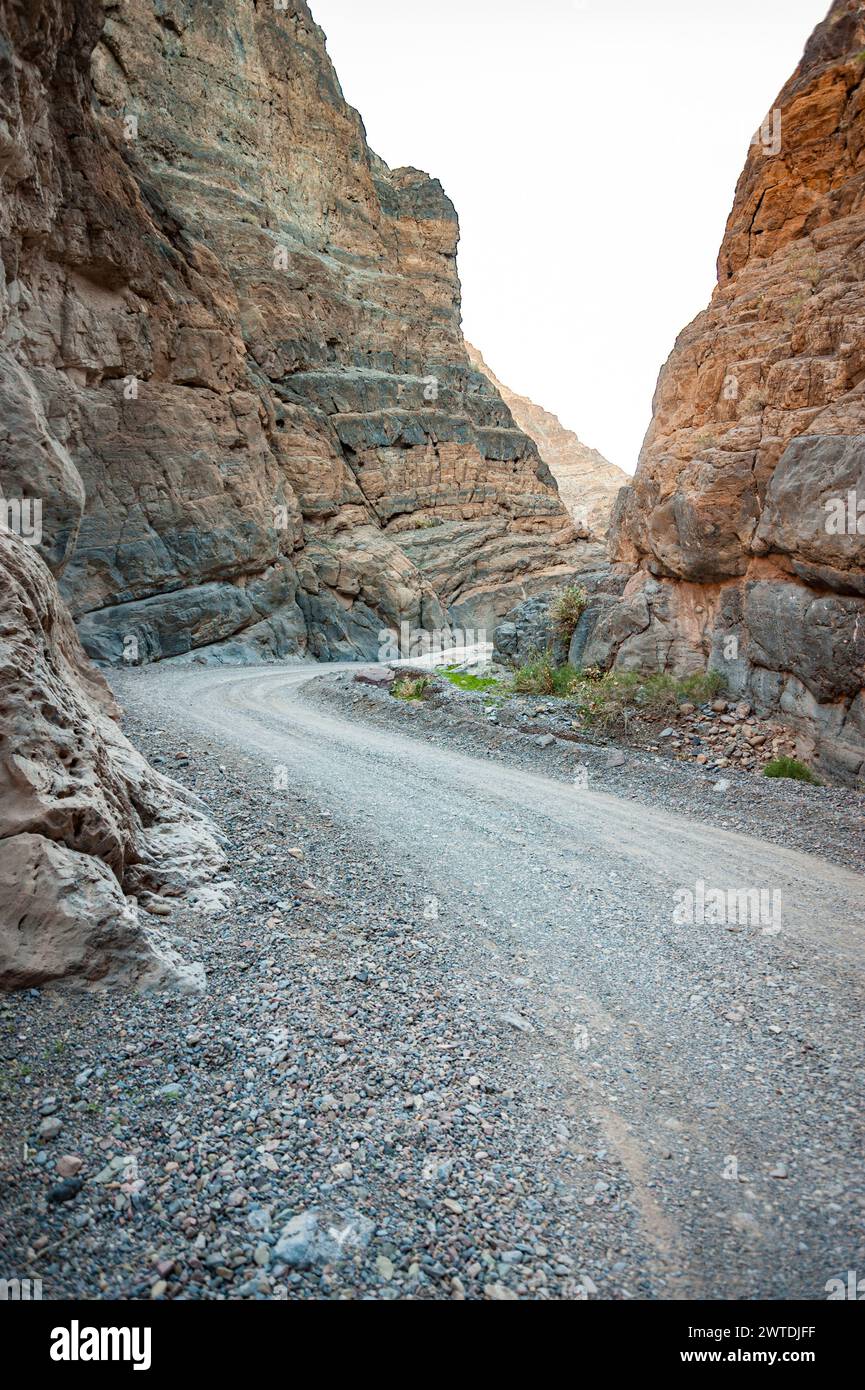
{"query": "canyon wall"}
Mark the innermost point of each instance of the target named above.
(588, 483)
(230, 349)
(745, 523)
(237, 421)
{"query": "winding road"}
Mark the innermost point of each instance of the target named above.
(721, 1061)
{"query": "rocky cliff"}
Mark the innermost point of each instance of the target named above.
(94, 845)
(588, 483)
(746, 518)
(232, 362)
(237, 419)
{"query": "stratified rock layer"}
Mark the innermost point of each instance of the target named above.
(758, 434)
(231, 349)
(234, 386)
(588, 483)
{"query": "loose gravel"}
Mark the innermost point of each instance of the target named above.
(457, 1064)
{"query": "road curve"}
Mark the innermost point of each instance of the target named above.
(720, 1064)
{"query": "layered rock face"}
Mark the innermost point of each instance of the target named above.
(236, 419)
(746, 518)
(231, 352)
(588, 483)
(87, 830)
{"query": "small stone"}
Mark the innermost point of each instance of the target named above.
(779, 1171)
(69, 1164)
(116, 1168)
(173, 1091)
(515, 1020)
(50, 1128)
(296, 853)
(156, 907)
(384, 1267)
(66, 1191)
(499, 1294)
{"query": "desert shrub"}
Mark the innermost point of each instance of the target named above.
(792, 768)
(410, 688)
(567, 609)
(611, 698)
(539, 676)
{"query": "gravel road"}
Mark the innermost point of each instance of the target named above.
(592, 1090)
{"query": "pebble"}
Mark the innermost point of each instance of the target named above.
(69, 1165)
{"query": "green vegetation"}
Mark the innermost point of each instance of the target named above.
(610, 698)
(614, 697)
(567, 609)
(410, 688)
(463, 681)
(540, 677)
(792, 768)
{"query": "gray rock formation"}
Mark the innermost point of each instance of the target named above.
(87, 829)
(238, 420)
(230, 349)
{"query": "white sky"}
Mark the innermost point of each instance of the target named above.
(591, 148)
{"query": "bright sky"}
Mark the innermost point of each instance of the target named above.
(591, 148)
